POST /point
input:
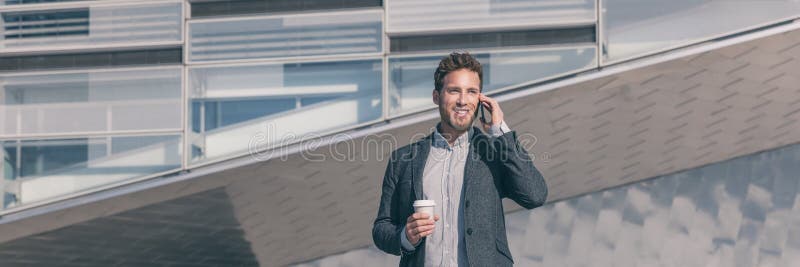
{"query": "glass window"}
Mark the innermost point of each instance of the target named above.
(90, 101)
(26, 25)
(279, 102)
(411, 78)
(236, 7)
(94, 59)
(585, 34)
(410, 16)
(286, 36)
(636, 28)
(93, 25)
(45, 169)
(307, 101)
(23, 2)
(220, 113)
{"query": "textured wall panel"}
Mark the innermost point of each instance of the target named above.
(741, 212)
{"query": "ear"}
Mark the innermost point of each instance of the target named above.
(435, 97)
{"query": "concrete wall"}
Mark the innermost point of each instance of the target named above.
(740, 212)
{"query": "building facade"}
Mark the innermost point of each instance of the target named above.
(146, 114)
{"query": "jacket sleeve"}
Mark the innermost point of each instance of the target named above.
(385, 233)
(521, 181)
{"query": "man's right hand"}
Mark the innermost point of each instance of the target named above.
(419, 225)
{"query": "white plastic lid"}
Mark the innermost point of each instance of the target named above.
(424, 203)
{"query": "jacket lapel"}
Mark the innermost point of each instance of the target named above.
(418, 161)
(472, 160)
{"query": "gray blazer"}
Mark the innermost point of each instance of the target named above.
(495, 168)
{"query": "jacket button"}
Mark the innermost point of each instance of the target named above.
(469, 231)
(466, 204)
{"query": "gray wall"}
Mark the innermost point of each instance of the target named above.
(740, 212)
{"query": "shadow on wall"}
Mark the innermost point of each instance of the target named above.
(196, 230)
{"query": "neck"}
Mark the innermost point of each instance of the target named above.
(449, 133)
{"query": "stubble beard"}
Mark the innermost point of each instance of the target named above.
(447, 117)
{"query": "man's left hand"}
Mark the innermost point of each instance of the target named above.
(493, 107)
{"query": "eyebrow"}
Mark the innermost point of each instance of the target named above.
(456, 87)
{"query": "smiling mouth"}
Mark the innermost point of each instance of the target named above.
(461, 112)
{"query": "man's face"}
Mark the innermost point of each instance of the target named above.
(458, 100)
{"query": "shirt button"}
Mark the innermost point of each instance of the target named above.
(469, 231)
(466, 204)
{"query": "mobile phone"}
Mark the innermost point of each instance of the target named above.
(483, 113)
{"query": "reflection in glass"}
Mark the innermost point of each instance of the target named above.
(93, 25)
(237, 107)
(411, 78)
(43, 169)
(406, 16)
(242, 7)
(90, 101)
(636, 28)
(22, 2)
(96, 59)
(286, 36)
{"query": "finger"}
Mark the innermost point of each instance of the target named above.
(491, 102)
(488, 106)
(423, 228)
(412, 237)
(436, 217)
(420, 215)
(419, 223)
(495, 106)
(420, 231)
(423, 222)
(492, 105)
(426, 233)
(417, 216)
(483, 99)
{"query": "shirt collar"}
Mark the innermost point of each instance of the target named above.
(441, 142)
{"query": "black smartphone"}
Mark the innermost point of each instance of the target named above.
(483, 113)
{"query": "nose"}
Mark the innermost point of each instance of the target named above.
(461, 100)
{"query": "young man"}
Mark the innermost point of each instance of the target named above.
(465, 172)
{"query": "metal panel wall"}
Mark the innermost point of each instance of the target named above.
(740, 212)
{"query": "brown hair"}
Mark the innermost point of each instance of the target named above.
(453, 62)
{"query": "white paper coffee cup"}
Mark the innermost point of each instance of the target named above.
(425, 206)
